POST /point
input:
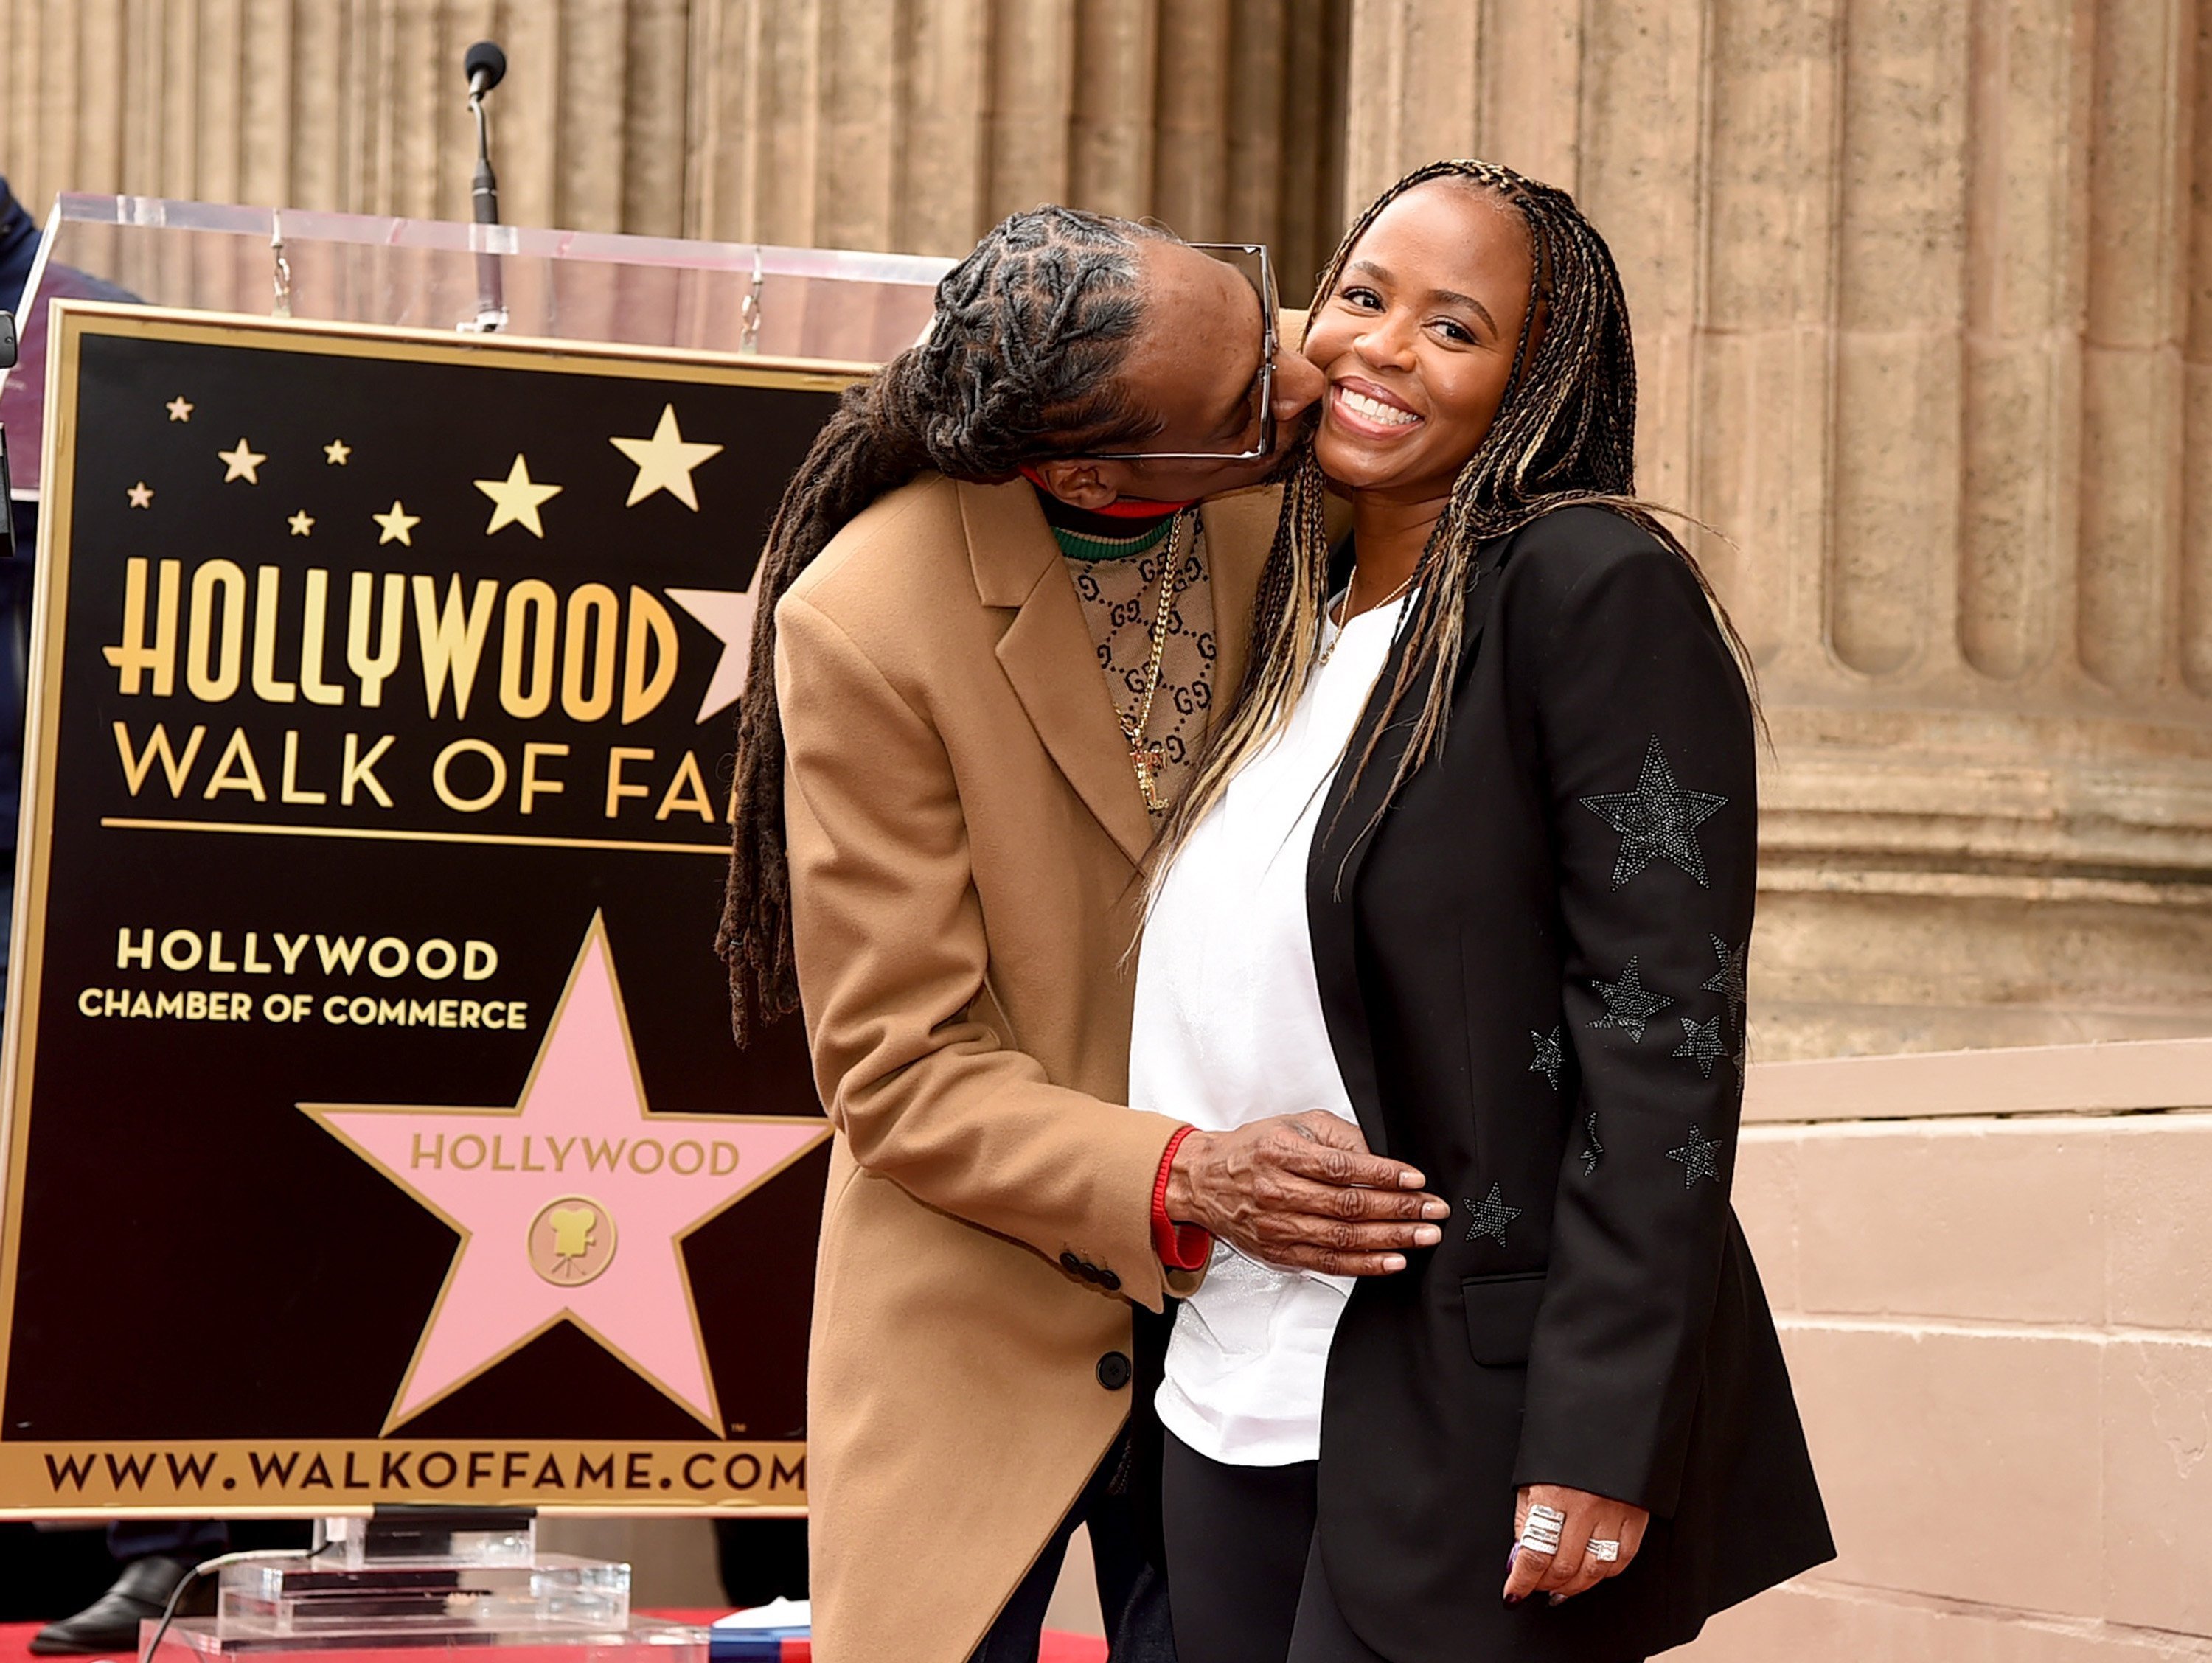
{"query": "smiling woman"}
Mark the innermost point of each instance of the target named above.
(1478, 832)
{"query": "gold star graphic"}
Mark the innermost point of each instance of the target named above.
(515, 499)
(180, 409)
(140, 496)
(240, 464)
(664, 462)
(300, 524)
(335, 453)
(396, 524)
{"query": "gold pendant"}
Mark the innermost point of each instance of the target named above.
(1144, 758)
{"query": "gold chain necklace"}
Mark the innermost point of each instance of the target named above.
(1329, 651)
(1145, 756)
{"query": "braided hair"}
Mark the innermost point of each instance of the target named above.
(1021, 361)
(1565, 434)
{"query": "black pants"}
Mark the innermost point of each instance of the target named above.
(1245, 1567)
(1133, 1596)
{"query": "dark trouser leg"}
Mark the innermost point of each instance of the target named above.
(1237, 1541)
(191, 1540)
(1133, 1592)
(1129, 1590)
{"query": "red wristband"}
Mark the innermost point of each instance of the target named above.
(1179, 1247)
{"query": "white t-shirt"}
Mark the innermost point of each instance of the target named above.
(1228, 1030)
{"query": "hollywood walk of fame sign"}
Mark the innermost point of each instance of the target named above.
(373, 1130)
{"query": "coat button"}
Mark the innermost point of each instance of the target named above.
(1114, 1371)
(1109, 1281)
(1071, 1264)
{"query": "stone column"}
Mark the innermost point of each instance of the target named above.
(905, 125)
(1923, 298)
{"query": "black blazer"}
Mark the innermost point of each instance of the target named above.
(1532, 971)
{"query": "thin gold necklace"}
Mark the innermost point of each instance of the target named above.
(1145, 756)
(1346, 615)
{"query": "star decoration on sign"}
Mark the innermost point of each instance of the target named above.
(1491, 1215)
(516, 499)
(1701, 1044)
(1628, 1003)
(140, 496)
(395, 525)
(1590, 1156)
(1549, 1056)
(664, 462)
(335, 453)
(1658, 821)
(729, 614)
(583, 1092)
(180, 409)
(300, 523)
(240, 464)
(1728, 980)
(1698, 1158)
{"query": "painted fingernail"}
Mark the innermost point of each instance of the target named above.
(1394, 1261)
(1427, 1235)
(1511, 1554)
(1514, 1598)
(1557, 1598)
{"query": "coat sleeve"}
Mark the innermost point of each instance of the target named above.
(893, 963)
(1645, 732)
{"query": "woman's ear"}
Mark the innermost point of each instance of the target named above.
(1077, 483)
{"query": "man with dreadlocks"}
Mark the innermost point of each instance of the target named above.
(942, 808)
(1470, 861)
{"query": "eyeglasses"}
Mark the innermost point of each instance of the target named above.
(1270, 343)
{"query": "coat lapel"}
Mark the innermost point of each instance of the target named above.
(1049, 658)
(1350, 822)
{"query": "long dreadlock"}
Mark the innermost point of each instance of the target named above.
(1565, 434)
(1022, 361)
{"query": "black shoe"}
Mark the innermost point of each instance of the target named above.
(110, 1623)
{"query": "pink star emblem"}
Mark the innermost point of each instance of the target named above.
(572, 1204)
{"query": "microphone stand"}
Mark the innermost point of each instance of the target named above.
(483, 195)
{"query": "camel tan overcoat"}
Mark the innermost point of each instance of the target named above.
(965, 833)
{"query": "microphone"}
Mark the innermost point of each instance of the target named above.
(485, 66)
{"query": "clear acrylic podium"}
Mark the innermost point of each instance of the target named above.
(405, 1585)
(427, 1580)
(824, 305)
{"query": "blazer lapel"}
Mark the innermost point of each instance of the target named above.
(1049, 658)
(1350, 822)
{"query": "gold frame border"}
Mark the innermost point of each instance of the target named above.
(71, 323)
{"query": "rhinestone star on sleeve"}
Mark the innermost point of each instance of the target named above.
(1628, 1003)
(1698, 1156)
(1728, 980)
(1658, 821)
(1701, 1044)
(1491, 1215)
(1549, 1056)
(1590, 1156)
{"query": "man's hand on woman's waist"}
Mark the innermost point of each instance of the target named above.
(1302, 1192)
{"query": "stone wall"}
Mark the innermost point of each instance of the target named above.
(1994, 1276)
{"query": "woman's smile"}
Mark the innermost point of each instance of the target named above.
(1369, 412)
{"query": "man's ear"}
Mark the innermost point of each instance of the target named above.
(1079, 484)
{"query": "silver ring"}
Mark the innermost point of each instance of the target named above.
(1603, 1552)
(1540, 1533)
